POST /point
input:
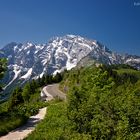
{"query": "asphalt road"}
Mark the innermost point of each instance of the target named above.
(54, 91)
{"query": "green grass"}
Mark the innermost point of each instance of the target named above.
(53, 126)
(56, 126)
(11, 119)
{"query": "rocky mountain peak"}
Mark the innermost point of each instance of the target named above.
(28, 60)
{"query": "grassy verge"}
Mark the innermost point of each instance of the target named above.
(52, 127)
(17, 116)
(11, 121)
(56, 126)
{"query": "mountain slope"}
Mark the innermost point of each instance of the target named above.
(28, 60)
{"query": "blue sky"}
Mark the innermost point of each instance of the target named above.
(115, 23)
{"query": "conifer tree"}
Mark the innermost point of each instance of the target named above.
(16, 97)
(26, 92)
(3, 63)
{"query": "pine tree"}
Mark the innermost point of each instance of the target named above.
(33, 86)
(16, 98)
(3, 63)
(57, 78)
(39, 81)
(26, 92)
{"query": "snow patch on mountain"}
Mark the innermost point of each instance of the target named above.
(41, 75)
(27, 45)
(57, 71)
(16, 71)
(38, 48)
(132, 59)
(28, 74)
(28, 52)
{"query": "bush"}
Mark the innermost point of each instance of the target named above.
(10, 122)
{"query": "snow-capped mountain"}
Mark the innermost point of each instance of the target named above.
(28, 60)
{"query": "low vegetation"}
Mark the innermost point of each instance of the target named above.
(56, 126)
(102, 104)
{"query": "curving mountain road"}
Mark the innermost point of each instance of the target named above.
(20, 133)
(53, 91)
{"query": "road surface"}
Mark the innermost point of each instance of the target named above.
(20, 133)
(53, 91)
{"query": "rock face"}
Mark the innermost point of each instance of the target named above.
(28, 60)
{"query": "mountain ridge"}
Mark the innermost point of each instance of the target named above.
(29, 61)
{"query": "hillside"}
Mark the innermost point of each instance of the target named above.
(101, 104)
